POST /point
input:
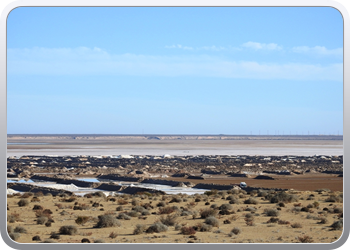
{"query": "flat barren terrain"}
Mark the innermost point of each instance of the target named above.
(215, 217)
(308, 168)
(181, 145)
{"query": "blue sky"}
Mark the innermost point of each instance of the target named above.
(175, 70)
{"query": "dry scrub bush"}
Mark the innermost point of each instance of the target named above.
(251, 201)
(166, 210)
(207, 212)
(133, 213)
(337, 225)
(296, 225)
(283, 222)
(139, 229)
(38, 207)
(334, 198)
(27, 195)
(323, 221)
(175, 199)
(99, 194)
(283, 197)
(35, 199)
(211, 220)
(11, 218)
(122, 202)
(271, 212)
(188, 231)
(9, 229)
(55, 236)
(36, 238)
(169, 220)
(68, 230)
(20, 229)
(226, 207)
(123, 216)
(202, 227)
(23, 203)
(305, 239)
(272, 220)
(113, 235)
(41, 220)
(157, 227)
(81, 220)
(107, 220)
(211, 192)
(14, 236)
(236, 230)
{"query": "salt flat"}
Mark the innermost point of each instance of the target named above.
(299, 147)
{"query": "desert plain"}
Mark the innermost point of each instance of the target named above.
(297, 199)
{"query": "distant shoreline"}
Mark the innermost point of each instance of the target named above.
(92, 137)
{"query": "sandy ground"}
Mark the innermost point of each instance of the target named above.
(259, 231)
(177, 147)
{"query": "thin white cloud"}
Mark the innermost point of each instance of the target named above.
(207, 48)
(179, 46)
(261, 46)
(318, 50)
(85, 61)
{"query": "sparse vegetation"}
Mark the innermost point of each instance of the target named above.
(107, 220)
(69, 230)
(23, 203)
